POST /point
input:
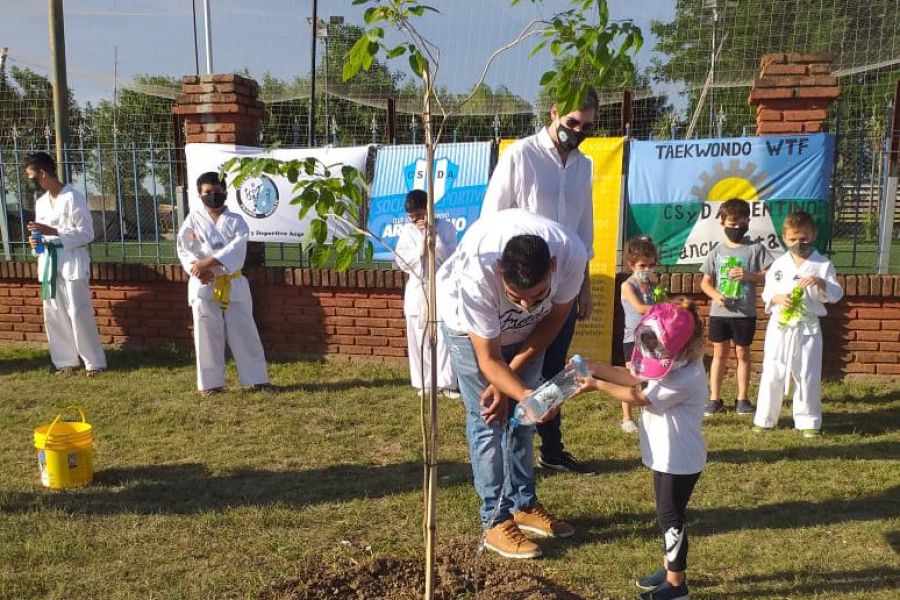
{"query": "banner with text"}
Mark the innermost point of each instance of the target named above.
(460, 181)
(675, 189)
(265, 201)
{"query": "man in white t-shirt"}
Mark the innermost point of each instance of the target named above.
(547, 175)
(505, 293)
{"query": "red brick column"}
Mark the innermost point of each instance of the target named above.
(220, 109)
(793, 92)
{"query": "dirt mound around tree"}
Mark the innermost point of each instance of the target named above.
(459, 573)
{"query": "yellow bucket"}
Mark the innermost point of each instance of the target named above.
(65, 452)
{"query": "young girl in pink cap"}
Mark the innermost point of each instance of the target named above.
(668, 380)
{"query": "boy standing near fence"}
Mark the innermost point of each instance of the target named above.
(212, 246)
(410, 257)
(63, 220)
(730, 274)
(798, 286)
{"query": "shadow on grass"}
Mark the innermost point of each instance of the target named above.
(873, 451)
(339, 386)
(119, 360)
(783, 515)
(798, 584)
(191, 489)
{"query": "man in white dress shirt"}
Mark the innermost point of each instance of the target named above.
(547, 175)
(63, 220)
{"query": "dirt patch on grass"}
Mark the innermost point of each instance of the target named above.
(459, 573)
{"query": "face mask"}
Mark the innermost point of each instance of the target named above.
(736, 234)
(569, 139)
(801, 249)
(214, 200)
(644, 276)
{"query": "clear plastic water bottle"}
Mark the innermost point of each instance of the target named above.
(549, 395)
(38, 241)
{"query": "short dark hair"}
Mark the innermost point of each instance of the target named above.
(416, 200)
(525, 261)
(799, 220)
(210, 177)
(640, 248)
(41, 161)
(735, 208)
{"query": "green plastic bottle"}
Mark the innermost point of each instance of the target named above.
(730, 288)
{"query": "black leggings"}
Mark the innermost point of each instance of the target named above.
(672, 495)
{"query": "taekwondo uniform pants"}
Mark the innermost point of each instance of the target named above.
(71, 327)
(212, 328)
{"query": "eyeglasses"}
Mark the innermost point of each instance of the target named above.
(575, 124)
(534, 303)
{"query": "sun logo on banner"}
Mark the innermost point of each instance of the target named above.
(725, 183)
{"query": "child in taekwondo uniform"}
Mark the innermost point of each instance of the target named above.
(212, 245)
(798, 285)
(410, 257)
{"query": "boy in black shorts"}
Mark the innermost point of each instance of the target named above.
(730, 274)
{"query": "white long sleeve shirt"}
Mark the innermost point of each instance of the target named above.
(226, 240)
(783, 275)
(70, 215)
(410, 252)
(531, 175)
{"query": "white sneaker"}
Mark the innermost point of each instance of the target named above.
(628, 426)
(450, 394)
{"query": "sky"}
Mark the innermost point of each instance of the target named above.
(110, 41)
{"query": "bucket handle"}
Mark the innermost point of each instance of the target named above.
(72, 406)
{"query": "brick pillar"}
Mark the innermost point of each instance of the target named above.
(222, 109)
(793, 92)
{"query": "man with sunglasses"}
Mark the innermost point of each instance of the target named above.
(505, 294)
(545, 174)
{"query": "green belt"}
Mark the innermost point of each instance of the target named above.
(49, 275)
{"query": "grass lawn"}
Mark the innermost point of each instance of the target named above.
(217, 497)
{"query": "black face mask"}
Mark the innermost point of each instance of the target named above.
(801, 249)
(569, 139)
(736, 234)
(214, 200)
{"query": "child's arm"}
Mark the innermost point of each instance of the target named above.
(621, 392)
(708, 285)
(608, 372)
(828, 288)
(632, 298)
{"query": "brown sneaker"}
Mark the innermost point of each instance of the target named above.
(538, 521)
(507, 540)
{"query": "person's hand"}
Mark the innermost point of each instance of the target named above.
(810, 280)
(206, 277)
(719, 299)
(200, 265)
(42, 229)
(782, 299)
(496, 406)
(585, 304)
(586, 384)
(736, 273)
(32, 242)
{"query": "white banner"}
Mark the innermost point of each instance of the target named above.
(265, 202)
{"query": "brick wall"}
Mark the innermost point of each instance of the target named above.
(359, 314)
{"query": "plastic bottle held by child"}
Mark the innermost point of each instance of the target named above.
(549, 395)
(731, 288)
(39, 243)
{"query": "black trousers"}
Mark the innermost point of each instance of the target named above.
(672, 495)
(554, 361)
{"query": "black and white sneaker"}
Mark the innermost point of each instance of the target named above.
(666, 591)
(652, 581)
(564, 463)
(713, 407)
(743, 407)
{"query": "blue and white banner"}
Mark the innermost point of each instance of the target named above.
(675, 189)
(460, 181)
(265, 201)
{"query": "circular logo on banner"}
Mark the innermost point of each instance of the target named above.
(258, 197)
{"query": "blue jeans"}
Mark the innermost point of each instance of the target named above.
(502, 459)
(554, 361)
